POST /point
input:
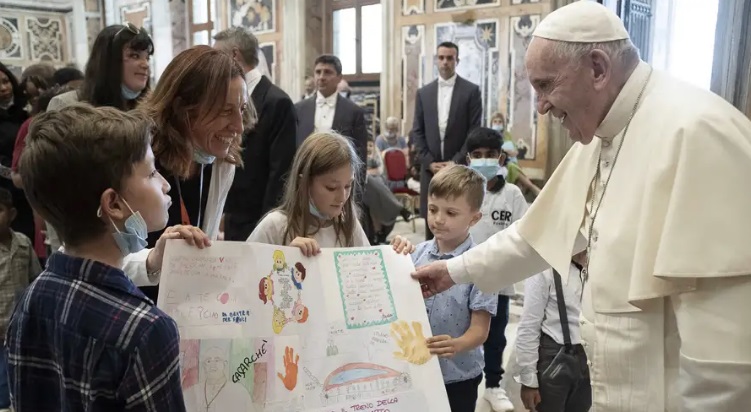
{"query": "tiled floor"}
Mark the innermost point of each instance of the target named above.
(512, 388)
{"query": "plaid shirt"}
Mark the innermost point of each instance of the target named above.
(18, 267)
(84, 338)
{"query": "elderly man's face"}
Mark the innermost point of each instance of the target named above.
(571, 93)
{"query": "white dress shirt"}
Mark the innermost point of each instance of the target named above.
(445, 92)
(252, 78)
(325, 110)
(540, 315)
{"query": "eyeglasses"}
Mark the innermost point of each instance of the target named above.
(130, 27)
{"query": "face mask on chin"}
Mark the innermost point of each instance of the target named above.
(132, 239)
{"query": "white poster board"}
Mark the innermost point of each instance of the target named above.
(264, 328)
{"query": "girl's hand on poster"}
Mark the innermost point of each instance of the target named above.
(402, 245)
(309, 247)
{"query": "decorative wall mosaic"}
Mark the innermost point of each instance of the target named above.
(45, 38)
(138, 14)
(445, 5)
(413, 70)
(256, 15)
(413, 7)
(522, 115)
(10, 39)
(478, 57)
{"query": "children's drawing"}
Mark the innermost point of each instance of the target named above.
(364, 288)
(280, 263)
(266, 289)
(360, 380)
(298, 275)
(414, 348)
(289, 379)
(220, 374)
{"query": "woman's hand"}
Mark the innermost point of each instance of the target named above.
(402, 245)
(191, 234)
(308, 246)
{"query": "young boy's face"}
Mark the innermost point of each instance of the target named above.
(7, 215)
(450, 218)
(371, 148)
(145, 190)
(484, 153)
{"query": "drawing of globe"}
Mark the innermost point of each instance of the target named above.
(362, 380)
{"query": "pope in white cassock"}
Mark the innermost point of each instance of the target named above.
(657, 190)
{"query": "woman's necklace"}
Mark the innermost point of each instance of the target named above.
(594, 210)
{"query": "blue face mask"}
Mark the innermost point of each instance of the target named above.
(315, 212)
(498, 128)
(487, 167)
(132, 238)
(127, 93)
(202, 158)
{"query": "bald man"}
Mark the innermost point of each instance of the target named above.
(650, 190)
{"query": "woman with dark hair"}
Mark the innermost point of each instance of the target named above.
(200, 108)
(118, 71)
(35, 79)
(12, 115)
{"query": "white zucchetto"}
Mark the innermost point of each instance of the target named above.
(583, 21)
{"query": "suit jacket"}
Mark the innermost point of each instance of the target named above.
(349, 120)
(268, 152)
(465, 114)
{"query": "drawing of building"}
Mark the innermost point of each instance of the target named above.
(362, 380)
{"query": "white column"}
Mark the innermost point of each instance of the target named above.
(389, 70)
(161, 25)
(293, 48)
(80, 41)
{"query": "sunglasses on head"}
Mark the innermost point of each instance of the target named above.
(129, 27)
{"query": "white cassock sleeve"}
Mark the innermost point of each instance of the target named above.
(501, 261)
(715, 356)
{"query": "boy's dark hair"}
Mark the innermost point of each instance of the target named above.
(332, 60)
(455, 181)
(484, 138)
(72, 156)
(450, 45)
(66, 75)
(101, 84)
(6, 198)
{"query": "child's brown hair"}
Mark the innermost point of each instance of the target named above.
(72, 156)
(455, 181)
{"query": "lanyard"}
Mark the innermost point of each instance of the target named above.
(184, 217)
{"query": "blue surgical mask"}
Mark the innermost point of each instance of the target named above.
(315, 212)
(487, 167)
(132, 238)
(203, 158)
(127, 93)
(498, 128)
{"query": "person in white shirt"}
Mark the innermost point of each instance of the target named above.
(503, 204)
(540, 337)
(446, 110)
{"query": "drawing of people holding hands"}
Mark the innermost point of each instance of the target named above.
(266, 289)
(298, 276)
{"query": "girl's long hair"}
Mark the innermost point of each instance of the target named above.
(319, 154)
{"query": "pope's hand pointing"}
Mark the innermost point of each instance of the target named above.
(434, 278)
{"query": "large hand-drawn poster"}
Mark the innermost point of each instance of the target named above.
(264, 328)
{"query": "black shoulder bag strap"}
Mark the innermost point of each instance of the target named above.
(562, 310)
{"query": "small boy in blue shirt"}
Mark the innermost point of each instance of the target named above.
(460, 316)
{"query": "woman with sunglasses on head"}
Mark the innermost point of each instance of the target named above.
(118, 71)
(117, 75)
(200, 108)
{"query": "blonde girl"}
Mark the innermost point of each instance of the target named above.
(318, 209)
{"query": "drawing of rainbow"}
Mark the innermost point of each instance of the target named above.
(362, 380)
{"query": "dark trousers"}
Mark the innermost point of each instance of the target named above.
(575, 398)
(495, 344)
(463, 395)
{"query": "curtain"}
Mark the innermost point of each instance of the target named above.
(731, 68)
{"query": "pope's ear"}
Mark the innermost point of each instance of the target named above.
(601, 66)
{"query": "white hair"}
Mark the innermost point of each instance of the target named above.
(244, 40)
(620, 51)
(392, 121)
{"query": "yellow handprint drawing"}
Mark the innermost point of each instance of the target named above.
(414, 348)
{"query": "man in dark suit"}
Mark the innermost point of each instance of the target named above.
(446, 110)
(329, 111)
(268, 148)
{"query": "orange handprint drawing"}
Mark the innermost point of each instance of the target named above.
(411, 342)
(290, 369)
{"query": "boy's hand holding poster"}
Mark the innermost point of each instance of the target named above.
(264, 328)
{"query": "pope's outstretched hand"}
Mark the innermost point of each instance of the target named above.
(434, 278)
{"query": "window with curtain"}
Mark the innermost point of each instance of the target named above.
(202, 21)
(357, 38)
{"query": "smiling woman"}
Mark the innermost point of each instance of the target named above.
(200, 108)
